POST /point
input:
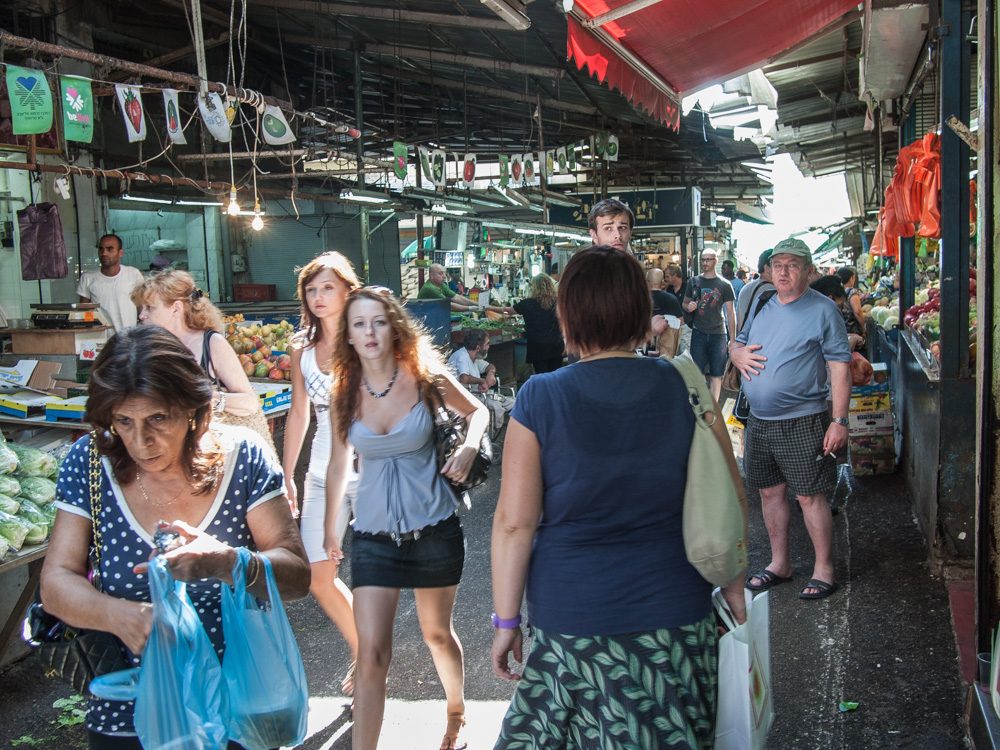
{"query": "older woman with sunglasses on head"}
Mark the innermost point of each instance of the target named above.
(164, 467)
(406, 534)
(323, 285)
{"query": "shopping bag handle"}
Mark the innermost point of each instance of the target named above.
(116, 686)
(723, 610)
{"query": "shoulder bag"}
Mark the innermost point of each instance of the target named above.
(732, 378)
(255, 420)
(713, 523)
(74, 655)
(450, 430)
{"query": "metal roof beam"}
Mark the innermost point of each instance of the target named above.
(395, 15)
(620, 12)
(433, 56)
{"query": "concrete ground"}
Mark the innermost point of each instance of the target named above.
(884, 640)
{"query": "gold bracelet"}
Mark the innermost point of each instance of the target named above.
(255, 558)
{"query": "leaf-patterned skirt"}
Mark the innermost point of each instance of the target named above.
(638, 691)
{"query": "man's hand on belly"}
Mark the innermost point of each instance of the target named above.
(747, 359)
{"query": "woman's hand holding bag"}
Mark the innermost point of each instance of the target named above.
(269, 698)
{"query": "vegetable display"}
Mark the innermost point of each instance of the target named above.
(38, 489)
(33, 462)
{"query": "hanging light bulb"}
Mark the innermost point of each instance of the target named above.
(258, 223)
(233, 209)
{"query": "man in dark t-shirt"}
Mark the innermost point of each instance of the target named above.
(710, 299)
(664, 303)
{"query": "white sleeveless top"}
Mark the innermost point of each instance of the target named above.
(318, 385)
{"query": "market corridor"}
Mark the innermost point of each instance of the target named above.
(885, 640)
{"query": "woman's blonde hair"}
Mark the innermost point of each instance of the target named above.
(414, 352)
(331, 260)
(543, 290)
(178, 286)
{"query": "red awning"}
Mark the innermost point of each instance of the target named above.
(691, 44)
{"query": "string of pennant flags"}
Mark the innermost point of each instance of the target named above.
(33, 110)
(517, 169)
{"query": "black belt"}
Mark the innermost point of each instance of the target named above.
(410, 536)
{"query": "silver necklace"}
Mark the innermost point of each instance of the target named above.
(155, 503)
(381, 394)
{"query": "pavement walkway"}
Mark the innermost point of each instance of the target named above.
(884, 640)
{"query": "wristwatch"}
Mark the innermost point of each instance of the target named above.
(510, 624)
(841, 421)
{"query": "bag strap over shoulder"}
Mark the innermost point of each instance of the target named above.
(94, 483)
(699, 397)
(206, 354)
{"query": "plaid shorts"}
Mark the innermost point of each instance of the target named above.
(784, 451)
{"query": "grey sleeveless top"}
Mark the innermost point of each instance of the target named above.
(399, 486)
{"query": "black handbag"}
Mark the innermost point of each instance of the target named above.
(74, 655)
(450, 430)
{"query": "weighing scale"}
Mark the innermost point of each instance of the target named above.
(68, 315)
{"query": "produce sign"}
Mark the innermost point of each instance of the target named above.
(130, 101)
(261, 348)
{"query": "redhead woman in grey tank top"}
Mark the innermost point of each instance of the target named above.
(323, 285)
(405, 534)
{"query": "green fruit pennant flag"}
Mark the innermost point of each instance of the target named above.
(172, 111)
(274, 127)
(561, 158)
(601, 144)
(399, 159)
(611, 148)
(439, 162)
(30, 101)
(214, 114)
(425, 162)
(469, 170)
(77, 100)
(504, 170)
(130, 101)
(571, 158)
(550, 163)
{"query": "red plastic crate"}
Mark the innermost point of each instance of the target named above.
(255, 292)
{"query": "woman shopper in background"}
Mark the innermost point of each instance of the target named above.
(163, 460)
(541, 325)
(589, 523)
(323, 285)
(172, 300)
(854, 315)
(405, 533)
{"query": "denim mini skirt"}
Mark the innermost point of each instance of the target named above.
(434, 560)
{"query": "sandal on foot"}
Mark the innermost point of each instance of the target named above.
(768, 579)
(823, 589)
(347, 684)
(456, 722)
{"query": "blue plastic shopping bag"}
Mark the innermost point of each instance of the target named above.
(181, 697)
(268, 695)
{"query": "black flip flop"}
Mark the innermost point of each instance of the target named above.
(768, 580)
(825, 589)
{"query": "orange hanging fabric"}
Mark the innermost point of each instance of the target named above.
(927, 172)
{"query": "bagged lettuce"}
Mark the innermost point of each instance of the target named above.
(50, 513)
(4, 547)
(38, 489)
(14, 530)
(33, 462)
(37, 534)
(32, 513)
(9, 505)
(8, 460)
(9, 486)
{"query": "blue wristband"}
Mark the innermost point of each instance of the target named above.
(511, 624)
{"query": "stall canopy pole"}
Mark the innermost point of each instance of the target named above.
(954, 255)
(907, 245)
(359, 115)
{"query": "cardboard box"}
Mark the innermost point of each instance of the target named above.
(870, 465)
(23, 404)
(880, 372)
(65, 409)
(878, 444)
(877, 402)
(32, 375)
(869, 390)
(58, 341)
(735, 428)
(273, 397)
(870, 422)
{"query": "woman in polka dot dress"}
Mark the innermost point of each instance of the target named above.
(162, 467)
(323, 285)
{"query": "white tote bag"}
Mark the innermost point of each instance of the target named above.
(745, 712)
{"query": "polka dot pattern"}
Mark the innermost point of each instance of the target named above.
(252, 478)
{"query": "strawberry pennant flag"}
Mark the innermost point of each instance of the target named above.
(175, 130)
(469, 170)
(130, 101)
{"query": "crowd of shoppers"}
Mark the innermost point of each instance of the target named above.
(597, 557)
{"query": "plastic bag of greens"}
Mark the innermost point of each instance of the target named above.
(34, 463)
(14, 530)
(9, 505)
(39, 490)
(9, 486)
(38, 532)
(50, 513)
(32, 512)
(4, 547)
(8, 460)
